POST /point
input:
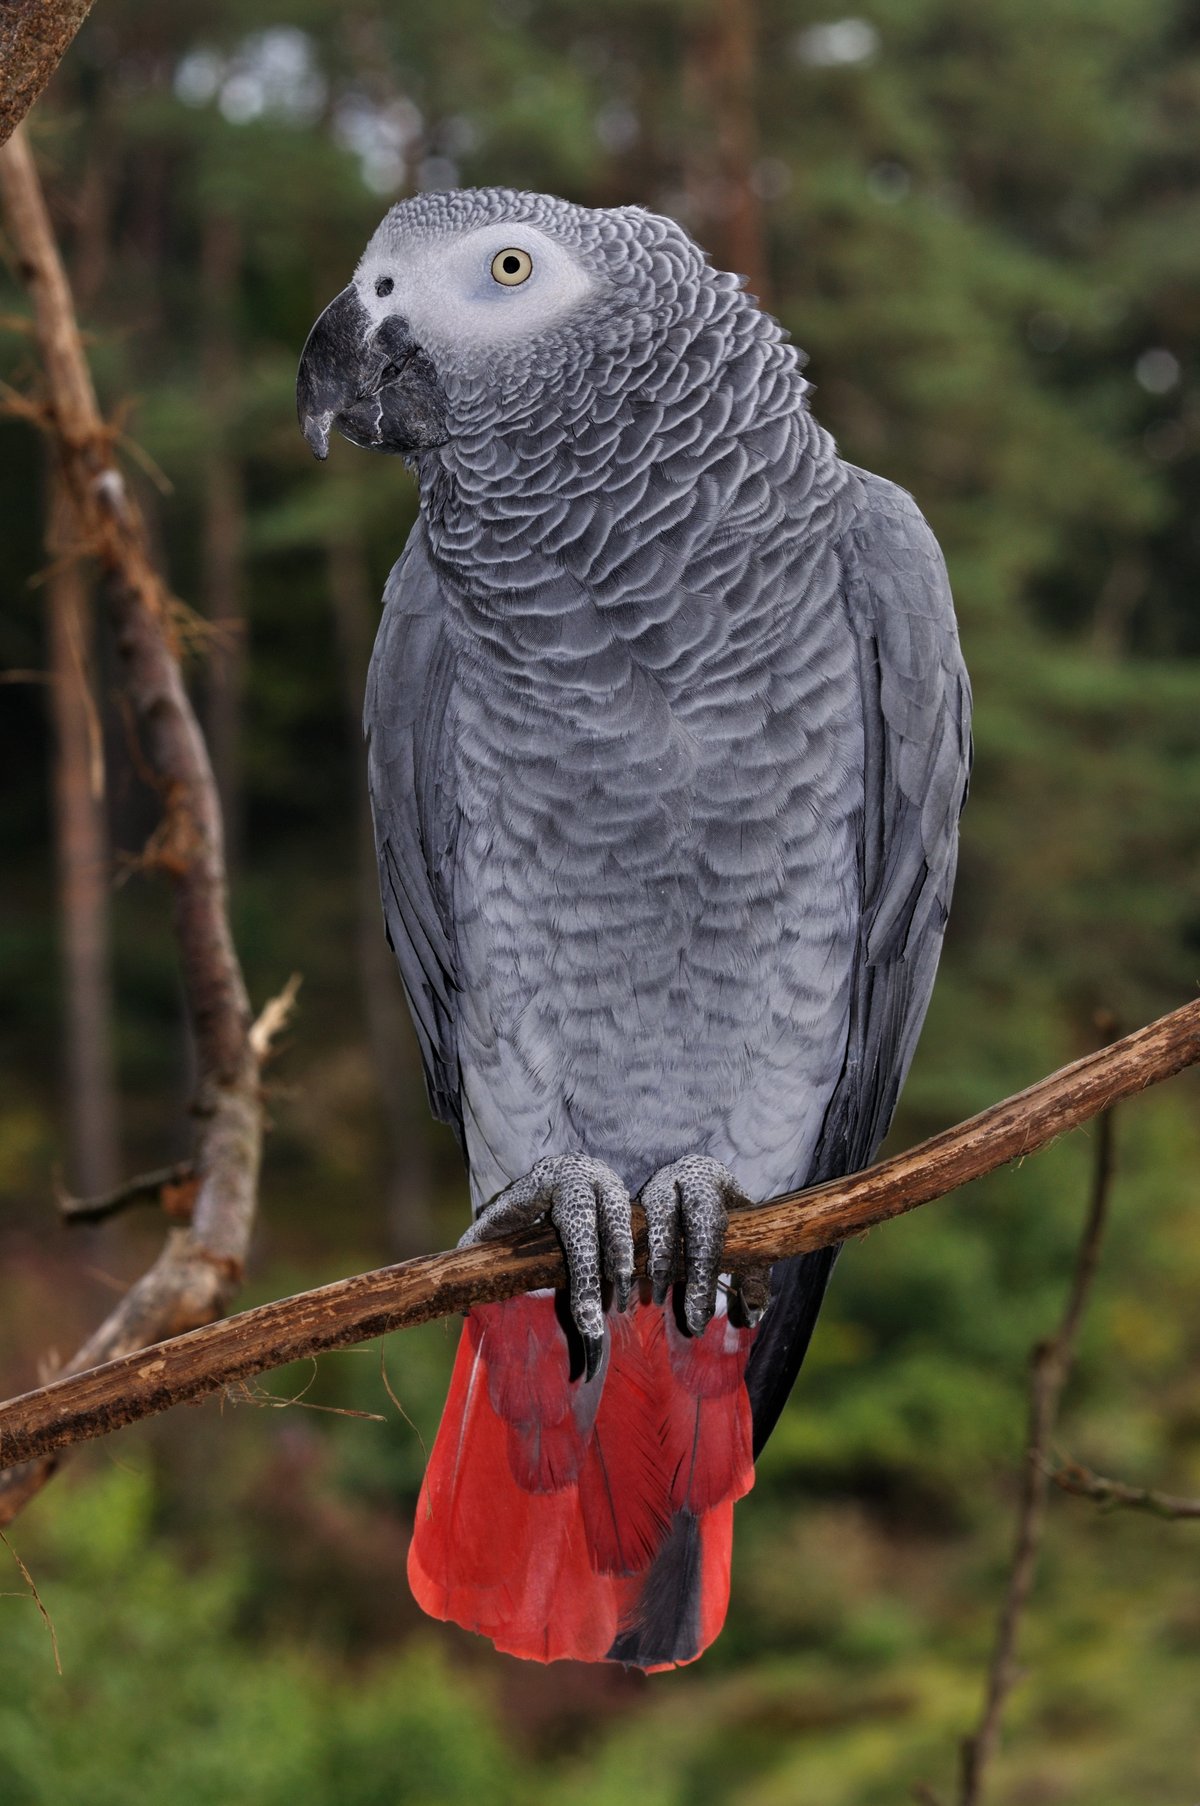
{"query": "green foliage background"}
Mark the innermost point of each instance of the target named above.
(983, 228)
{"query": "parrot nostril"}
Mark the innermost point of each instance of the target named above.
(384, 286)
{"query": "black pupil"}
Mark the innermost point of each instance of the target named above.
(511, 265)
(384, 286)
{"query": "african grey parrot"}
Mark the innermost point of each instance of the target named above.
(668, 738)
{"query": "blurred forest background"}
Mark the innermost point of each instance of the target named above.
(983, 225)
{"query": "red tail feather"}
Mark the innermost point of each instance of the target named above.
(625, 1486)
(587, 1521)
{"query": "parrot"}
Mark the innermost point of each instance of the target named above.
(668, 735)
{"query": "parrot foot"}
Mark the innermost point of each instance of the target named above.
(590, 1210)
(692, 1196)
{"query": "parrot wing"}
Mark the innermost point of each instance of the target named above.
(410, 779)
(916, 717)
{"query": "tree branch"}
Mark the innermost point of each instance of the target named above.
(372, 1304)
(1050, 1368)
(159, 1187)
(1073, 1477)
(200, 1267)
(34, 36)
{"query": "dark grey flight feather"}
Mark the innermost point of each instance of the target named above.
(668, 737)
(408, 771)
(661, 1631)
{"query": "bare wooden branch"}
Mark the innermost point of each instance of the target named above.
(1050, 1369)
(1073, 1477)
(272, 1019)
(200, 1268)
(34, 35)
(147, 1188)
(371, 1304)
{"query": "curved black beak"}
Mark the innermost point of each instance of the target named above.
(373, 384)
(328, 377)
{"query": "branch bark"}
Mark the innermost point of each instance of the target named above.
(34, 36)
(200, 1267)
(371, 1304)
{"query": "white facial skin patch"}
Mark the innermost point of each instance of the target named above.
(456, 307)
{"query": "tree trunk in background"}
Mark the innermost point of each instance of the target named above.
(81, 845)
(224, 521)
(92, 215)
(1118, 600)
(394, 1053)
(719, 75)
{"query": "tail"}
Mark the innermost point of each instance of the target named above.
(586, 1521)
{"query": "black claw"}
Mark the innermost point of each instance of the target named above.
(660, 1286)
(742, 1313)
(621, 1287)
(593, 1354)
(749, 1296)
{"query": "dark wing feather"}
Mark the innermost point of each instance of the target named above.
(409, 774)
(916, 718)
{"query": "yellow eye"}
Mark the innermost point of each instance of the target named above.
(512, 267)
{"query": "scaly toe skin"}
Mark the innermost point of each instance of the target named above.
(692, 1195)
(590, 1210)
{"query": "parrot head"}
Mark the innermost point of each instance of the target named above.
(468, 306)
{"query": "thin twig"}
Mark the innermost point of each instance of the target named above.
(273, 1018)
(389, 1389)
(1049, 1371)
(147, 1188)
(33, 1594)
(371, 1304)
(144, 461)
(1073, 1477)
(244, 1393)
